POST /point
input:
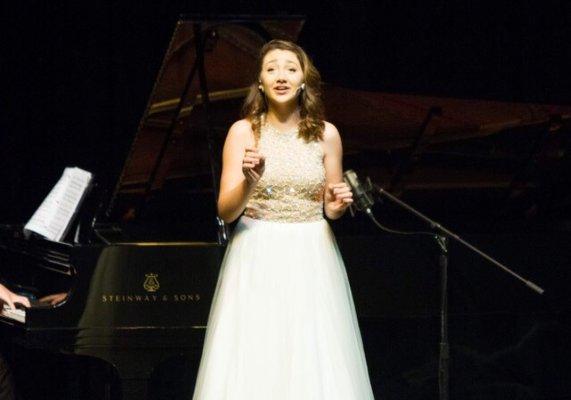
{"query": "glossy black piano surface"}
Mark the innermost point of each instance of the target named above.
(121, 299)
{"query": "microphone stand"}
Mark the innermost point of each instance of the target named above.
(442, 236)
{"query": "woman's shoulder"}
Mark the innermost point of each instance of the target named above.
(330, 133)
(241, 131)
(331, 143)
(241, 127)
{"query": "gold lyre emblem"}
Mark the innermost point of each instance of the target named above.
(151, 283)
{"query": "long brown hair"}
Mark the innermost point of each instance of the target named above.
(311, 125)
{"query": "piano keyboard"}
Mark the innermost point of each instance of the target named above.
(14, 313)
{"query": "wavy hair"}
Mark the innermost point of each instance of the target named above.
(311, 125)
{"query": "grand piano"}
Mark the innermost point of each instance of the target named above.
(136, 274)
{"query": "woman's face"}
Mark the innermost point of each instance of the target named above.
(281, 76)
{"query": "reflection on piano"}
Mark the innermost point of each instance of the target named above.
(136, 275)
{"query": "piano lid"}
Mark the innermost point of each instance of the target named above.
(382, 121)
(175, 155)
(466, 144)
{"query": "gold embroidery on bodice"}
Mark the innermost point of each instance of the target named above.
(291, 188)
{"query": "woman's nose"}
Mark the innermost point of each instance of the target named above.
(281, 76)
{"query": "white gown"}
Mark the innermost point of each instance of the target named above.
(282, 325)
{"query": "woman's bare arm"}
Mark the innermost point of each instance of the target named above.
(337, 196)
(241, 169)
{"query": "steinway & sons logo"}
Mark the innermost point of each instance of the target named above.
(151, 285)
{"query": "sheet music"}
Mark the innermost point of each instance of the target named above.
(54, 215)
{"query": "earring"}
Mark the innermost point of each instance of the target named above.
(261, 88)
(302, 86)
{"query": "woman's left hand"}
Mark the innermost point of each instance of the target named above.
(338, 197)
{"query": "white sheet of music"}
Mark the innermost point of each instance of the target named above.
(53, 216)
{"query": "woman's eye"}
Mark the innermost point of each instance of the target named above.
(292, 69)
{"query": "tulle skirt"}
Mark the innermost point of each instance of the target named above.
(282, 324)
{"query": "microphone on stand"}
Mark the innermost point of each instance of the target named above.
(363, 200)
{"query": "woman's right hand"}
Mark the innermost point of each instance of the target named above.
(253, 165)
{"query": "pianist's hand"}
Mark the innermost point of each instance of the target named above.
(11, 298)
(253, 165)
(53, 299)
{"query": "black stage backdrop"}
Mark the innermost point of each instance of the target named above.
(76, 77)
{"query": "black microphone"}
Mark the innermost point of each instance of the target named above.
(363, 199)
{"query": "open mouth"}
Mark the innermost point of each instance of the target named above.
(281, 89)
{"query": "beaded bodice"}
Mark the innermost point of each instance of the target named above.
(291, 187)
